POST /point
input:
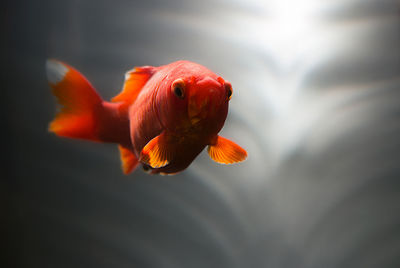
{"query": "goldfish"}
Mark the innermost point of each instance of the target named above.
(162, 119)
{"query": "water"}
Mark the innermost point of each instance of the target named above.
(316, 104)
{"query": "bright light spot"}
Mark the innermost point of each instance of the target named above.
(287, 34)
(291, 36)
(290, 24)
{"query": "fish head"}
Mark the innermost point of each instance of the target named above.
(197, 104)
(208, 102)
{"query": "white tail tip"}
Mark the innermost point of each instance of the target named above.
(56, 71)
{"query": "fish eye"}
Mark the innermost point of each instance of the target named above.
(228, 88)
(178, 87)
(178, 92)
(146, 168)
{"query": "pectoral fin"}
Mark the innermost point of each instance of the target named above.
(157, 153)
(225, 151)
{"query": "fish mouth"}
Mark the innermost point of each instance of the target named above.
(195, 120)
(197, 110)
(204, 100)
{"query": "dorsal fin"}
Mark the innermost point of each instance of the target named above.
(135, 79)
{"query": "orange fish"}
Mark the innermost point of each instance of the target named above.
(163, 117)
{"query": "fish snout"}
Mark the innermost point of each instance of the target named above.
(204, 103)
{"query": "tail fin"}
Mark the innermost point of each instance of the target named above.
(84, 115)
(79, 101)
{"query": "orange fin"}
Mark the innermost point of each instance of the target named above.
(225, 151)
(128, 159)
(157, 153)
(134, 82)
(78, 99)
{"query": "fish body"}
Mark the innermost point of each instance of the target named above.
(163, 117)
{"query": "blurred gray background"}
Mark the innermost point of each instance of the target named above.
(316, 104)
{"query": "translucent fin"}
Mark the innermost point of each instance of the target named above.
(128, 159)
(79, 102)
(157, 153)
(134, 82)
(225, 151)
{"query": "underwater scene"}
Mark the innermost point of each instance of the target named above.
(302, 169)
